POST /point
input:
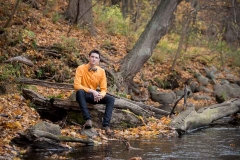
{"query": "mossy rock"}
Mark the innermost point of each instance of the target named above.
(159, 82)
(152, 89)
(75, 117)
(47, 127)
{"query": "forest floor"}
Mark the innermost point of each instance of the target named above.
(31, 27)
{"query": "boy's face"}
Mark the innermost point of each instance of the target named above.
(94, 59)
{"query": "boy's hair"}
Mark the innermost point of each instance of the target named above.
(94, 51)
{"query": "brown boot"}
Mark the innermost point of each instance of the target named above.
(88, 124)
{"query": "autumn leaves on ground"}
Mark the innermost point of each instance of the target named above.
(31, 28)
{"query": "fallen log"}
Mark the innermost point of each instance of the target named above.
(187, 120)
(120, 102)
(45, 83)
(59, 110)
(190, 119)
(20, 59)
(73, 105)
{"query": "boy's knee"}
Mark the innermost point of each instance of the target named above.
(111, 99)
(80, 92)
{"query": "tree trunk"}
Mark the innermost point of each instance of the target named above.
(80, 12)
(189, 119)
(13, 13)
(135, 16)
(121, 103)
(232, 25)
(125, 8)
(184, 33)
(142, 50)
(85, 15)
(72, 11)
(55, 110)
(73, 105)
(115, 2)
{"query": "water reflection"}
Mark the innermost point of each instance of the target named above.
(208, 143)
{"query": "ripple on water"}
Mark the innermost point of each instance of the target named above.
(217, 143)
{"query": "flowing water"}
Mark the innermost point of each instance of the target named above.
(218, 142)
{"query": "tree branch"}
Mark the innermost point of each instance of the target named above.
(13, 13)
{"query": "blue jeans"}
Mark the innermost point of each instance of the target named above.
(83, 98)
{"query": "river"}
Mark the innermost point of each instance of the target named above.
(219, 142)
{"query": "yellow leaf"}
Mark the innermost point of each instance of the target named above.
(6, 140)
(18, 124)
(13, 125)
(73, 134)
(233, 145)
(22, 151)
(128, 96)
(17, 97)
(17, 112)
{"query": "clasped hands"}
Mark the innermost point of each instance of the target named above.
(97, 96)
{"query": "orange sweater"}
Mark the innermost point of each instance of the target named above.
(85, 79)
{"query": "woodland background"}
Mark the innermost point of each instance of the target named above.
(49, 33)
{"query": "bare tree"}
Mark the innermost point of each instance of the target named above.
(184, 34)
(13, 13)
(232, 25)
(115, 2)
(143, 49)
(80, 12)
(125, 8)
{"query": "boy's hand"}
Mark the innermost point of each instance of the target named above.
(98, 98)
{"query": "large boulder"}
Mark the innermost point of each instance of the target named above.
(225, 91)
(202, 79)
(201, 97)
(46, 136)
(193, 86)
(210, 73)
(162, 97)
